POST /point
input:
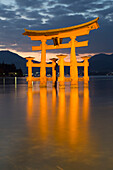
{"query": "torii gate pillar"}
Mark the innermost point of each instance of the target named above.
(43, 82)
(73, 66)
(29, 65)
(86, 65)
(61, 71)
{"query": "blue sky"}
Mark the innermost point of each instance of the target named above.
(15, 15)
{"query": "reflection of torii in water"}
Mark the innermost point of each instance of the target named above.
(57, 36)
(61, 114)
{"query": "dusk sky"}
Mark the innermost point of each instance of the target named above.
(15, 15)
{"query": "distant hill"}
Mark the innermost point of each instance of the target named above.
(8, 57)
(99, 64)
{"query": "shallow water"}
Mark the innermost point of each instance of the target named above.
(47, 129)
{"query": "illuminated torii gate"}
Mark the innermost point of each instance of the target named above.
(57, 36)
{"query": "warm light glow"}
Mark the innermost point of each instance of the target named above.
(74, 114)
(86, 105)
(43, 124)
(54, 100)
(57, 36)
(63, 116)
(30, 104)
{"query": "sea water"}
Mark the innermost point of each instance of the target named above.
(56, 129)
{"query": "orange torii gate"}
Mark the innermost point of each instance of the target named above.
(57, 36)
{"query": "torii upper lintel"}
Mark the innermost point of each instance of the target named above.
(90, 25)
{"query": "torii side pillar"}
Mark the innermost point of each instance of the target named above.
(86, 65)
(61, 71)
(29, 65)
(54, 76)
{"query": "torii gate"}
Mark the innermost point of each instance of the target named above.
(57, 36)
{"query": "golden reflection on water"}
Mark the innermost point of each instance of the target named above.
(60, 120)
(73, 114)
(63, 130)
(43, 118)
(64, 112)
(86, 105)
(30, 104)
(61, 113)
(54, 100)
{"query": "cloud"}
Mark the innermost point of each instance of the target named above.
(29, 3)
(50, 14)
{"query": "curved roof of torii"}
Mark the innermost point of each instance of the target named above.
(60, 30)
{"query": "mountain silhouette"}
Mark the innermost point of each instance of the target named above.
(8, 57)
(101, 64)
(98, 64)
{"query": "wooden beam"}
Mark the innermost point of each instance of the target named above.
(49, 47)
(67, 45)
(49, 65)
(35, 78)
(37, 38)
(36, 65)
(80, 32)
(80, 64)
(49, 78)
(36, 48)
(81, 79)
(81, 44)
(67, 63)
(67, 79)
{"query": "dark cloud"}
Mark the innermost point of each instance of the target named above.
(50, 14)
(29, 3)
